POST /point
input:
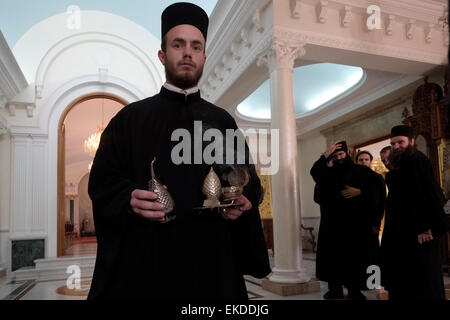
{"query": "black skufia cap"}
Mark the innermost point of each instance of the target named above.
(342, 148)
(184, 13)
(402, 130)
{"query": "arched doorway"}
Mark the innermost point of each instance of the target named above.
(82, 118)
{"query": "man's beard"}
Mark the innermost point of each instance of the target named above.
(342, 162)
(397, 156)
(184, 81)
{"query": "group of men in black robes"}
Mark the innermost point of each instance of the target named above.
(201, 254)
(352, 199)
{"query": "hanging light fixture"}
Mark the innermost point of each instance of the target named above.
(91, 144)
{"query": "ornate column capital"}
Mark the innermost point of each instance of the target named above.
(281, 54)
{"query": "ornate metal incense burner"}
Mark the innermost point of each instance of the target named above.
(218, 197)
(164, 196)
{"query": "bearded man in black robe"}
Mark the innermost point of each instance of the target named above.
(414, 222)
(201, 254)
(344, 191)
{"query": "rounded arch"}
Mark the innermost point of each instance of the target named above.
(95, 37)
(62, 161)
(50, 120)
(96, 25)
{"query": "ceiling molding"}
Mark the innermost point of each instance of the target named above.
(214, 88)
(248, 30)
(12, 80)
(421, 10)
(228, 51)
(326, 40)
(28, 132)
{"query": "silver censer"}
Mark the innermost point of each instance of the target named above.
(164, 196)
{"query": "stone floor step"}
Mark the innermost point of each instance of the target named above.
(56, 269)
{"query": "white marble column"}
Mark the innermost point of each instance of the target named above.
(280, 60)
(76, 214)
(4, 192)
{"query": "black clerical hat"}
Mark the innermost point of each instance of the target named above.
(342, 148)
(402, 130)
(184, 13)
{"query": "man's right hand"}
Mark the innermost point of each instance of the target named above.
(143, 203)
(331, 148)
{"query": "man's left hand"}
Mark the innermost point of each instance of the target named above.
(350, 192)
(425, 237)
(241, 205)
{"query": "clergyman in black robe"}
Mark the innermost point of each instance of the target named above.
(345, 222)
(415, 220)
(201, 254)
(376, 212)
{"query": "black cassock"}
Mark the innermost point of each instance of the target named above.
(411, 270)
(195, 256)
(345, 236)
(378, 193)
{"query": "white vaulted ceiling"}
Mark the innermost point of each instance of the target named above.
(315, 86)
(17, 16)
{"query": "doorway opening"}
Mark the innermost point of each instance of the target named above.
(79, 131)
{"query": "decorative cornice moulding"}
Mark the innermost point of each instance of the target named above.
(27, 108)
(347, 16)
(322, 10)
(28, 132)
(295, 7)
(210, 84)
(327, 40)
(421, 10)
(243, 14)
(12, 80)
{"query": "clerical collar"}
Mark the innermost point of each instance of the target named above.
(173, 88)
(180, 96)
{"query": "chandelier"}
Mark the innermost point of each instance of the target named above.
(91, 144)
(443, 21)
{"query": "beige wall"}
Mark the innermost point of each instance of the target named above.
(367, 127)
(379, 121)
(309, 150)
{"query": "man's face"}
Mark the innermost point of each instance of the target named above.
(385, 157)
(339, 157)
(400, 143)
(364, 160)
(184, 57)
